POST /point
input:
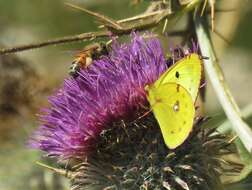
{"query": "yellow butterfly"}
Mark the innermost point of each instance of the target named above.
(172, 99)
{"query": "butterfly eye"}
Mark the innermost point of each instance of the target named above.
(177, 74)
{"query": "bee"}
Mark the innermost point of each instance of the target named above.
(85, 57)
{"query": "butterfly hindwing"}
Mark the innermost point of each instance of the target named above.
(173, 108)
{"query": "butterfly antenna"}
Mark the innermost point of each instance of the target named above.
(204, 57)
(202, 85)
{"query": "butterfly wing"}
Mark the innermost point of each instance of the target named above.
(174, 110)
(186, 72)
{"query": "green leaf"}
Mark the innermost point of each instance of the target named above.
(246, 160)
(245, 156)
(226, 126)
(215, 121)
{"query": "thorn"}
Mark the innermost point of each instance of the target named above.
(166, 185)
(168, 169)
(146, 113)
(212, 5)
(100, 17)
(124, 128)
(203, 8)
(232, 139)
(185, 167)
(66, 173)
(181, 182)
(137, 17)
(212, 2)
(165, 25)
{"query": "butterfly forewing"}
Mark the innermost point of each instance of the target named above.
(186, 72)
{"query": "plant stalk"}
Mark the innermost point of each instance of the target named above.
(221, 89)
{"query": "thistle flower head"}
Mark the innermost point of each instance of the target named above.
(110, 90)
(95, 117)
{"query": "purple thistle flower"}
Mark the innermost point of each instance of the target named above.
(110, 90)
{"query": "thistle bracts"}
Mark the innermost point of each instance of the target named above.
(134, 156)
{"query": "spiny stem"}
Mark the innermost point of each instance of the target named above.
(102, 18)
(80, 37)
(139, 24)
(137, 17)
(221, 89)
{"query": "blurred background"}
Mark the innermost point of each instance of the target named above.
(27, 78)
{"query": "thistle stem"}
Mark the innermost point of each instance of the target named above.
(221, 89)
(140, 23)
